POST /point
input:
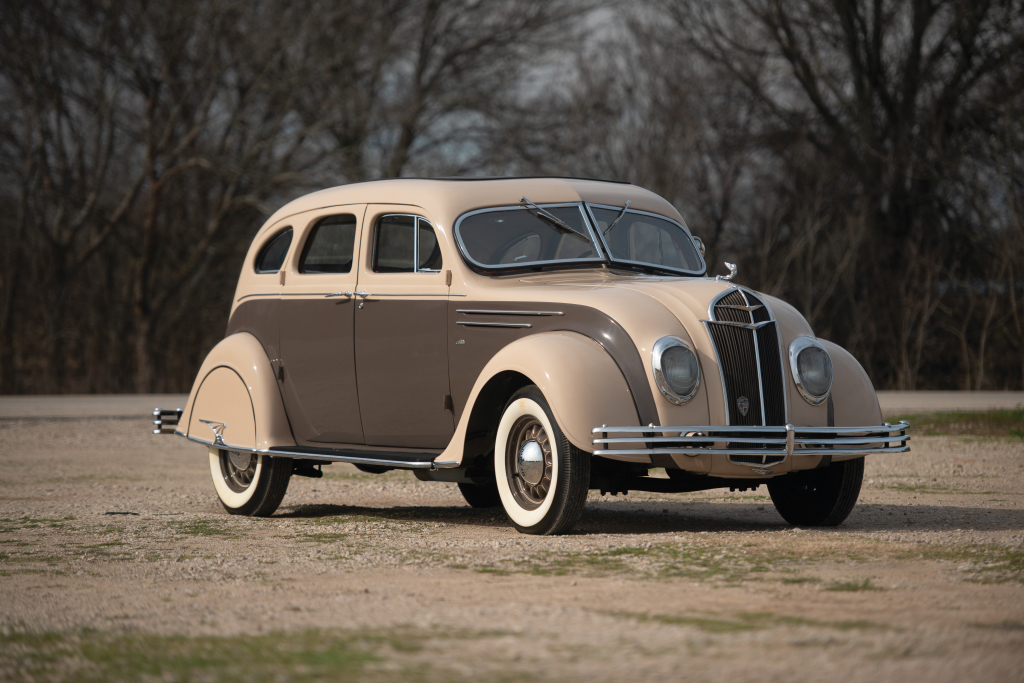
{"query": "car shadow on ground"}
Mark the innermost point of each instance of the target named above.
(664, 517)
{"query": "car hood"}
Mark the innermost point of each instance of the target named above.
(648, 308)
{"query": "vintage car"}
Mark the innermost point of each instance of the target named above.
(530, 339)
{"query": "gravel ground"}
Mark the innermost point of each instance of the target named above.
(107, 530)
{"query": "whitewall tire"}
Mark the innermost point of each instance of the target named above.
(542, 479)
(249, 484)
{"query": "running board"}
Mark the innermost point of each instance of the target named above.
(395, 459)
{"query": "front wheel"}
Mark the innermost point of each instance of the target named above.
(249, 484)
(542, 478)
(820, 497)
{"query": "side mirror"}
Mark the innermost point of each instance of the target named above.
(699, 243)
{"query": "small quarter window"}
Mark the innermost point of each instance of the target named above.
(271, 257)
(405, 244)
(330, 246)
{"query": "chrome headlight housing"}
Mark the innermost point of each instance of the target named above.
(812, 369)
(676, 370)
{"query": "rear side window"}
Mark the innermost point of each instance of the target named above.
(271, 257)
(330, 246)
(405, 244)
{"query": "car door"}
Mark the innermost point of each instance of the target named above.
(317, 372)
(401, 331)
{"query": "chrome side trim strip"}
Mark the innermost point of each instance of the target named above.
(470, 311)
(474, 323)
(249, 296)
(355, 460)
(330, 294)
(371, 294)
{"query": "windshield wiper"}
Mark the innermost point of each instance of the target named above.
(617, 218)
(553, 219)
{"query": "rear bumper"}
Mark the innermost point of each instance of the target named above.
(166, 421)
(760, 448)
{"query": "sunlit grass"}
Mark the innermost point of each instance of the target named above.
(1000, 423)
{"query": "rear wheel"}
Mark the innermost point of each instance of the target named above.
(542, 478)
(821, 497)
(249, 484)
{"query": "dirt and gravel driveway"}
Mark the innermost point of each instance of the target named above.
(116, 561)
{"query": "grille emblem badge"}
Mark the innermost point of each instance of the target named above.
(743, 403)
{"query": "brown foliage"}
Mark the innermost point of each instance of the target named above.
(863, 161)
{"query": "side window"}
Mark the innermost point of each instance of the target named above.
(427, 248)
(405, 244)
(330, 246)
(271, 257)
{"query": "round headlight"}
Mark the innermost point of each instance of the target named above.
(812, 369)
(676, 370)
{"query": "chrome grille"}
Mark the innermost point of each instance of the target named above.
(749, 358)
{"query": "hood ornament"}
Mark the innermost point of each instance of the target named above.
(743, 403)
(732, 271)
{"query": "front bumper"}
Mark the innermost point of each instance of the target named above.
(760, 448)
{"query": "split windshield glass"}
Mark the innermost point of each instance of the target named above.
(644, 239)
(519, 236)
(522, 237)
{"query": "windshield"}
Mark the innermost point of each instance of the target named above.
(645, 239)
(519, 236)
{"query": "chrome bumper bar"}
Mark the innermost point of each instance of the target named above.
(166, 420)
(768, 443)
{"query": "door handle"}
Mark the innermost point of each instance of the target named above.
(362, 294)
(333, 294)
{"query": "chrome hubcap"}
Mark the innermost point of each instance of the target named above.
(238, 468)
(528, 462)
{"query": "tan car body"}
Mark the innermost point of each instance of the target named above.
(574, 355)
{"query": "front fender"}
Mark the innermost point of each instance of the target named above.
(853, 397)
(236, 386)
(581, 382)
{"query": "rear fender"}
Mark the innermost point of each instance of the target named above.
(236, 388)
(581, 382)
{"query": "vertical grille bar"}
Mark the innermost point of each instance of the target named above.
(771, 376)
(738, 364)
(750, 360)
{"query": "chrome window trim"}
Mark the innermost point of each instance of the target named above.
(266, 243)
(417, 219)
(660, 346)
(311, 235)
(604, 245)
(795, 347)
(519, 266)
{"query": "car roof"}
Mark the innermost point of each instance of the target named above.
(448, 198)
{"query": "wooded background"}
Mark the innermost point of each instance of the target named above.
(863, 160)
